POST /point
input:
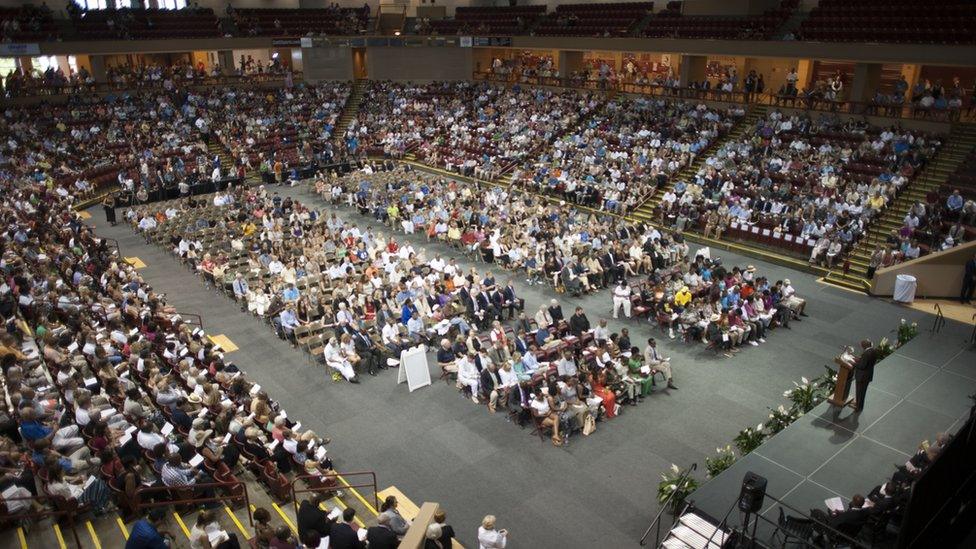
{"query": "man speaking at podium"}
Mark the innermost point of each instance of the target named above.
(864, 372)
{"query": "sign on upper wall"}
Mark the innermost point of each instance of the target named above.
(20, 49)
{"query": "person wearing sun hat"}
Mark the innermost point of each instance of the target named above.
(715, 335)
(749, 274)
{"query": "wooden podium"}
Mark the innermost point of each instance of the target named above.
(844, 372)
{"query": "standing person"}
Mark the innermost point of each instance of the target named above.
(968, 281)
(109, 206)
(447, 531)
(488, 537)
(864, 372)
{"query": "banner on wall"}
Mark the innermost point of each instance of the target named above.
(306, 41)
(464, 41)
(20, 49)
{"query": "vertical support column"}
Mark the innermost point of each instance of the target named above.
(867, 78)
(692, 69)
(569, 62)
(226, 60)
(98, 70)
(804, 73)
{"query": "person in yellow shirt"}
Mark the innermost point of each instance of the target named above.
(683, 297)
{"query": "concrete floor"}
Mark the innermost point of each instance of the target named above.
(436, 446)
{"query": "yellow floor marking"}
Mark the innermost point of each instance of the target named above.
(225, 343)
(125, 531)
(84, 215)
(823, 280)
(240, 526)
(407, 508)
(284, 517)
(358, 496)
(186, 531)
(135, 262)
(22, 538)
(57, 532)
(344, 507)
(94, 536)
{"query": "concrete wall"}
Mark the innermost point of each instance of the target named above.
(321, 64)
(938, 274)
(418, 64)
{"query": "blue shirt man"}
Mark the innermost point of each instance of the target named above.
(290, 293)
(144, 534)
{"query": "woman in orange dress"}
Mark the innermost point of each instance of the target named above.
(601, 390)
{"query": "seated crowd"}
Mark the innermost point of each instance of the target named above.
(816, 184)
(626, 151)
(157, 139)
(78, 146)
(473, 129)
(111, 398)
(698, 298)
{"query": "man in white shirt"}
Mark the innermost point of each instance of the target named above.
(621, 298)
(468, 376)
(657, 362)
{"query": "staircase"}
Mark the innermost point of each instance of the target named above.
(645, 212)
(955, 149)
(227, 164)
(351, 110)
(692, 531)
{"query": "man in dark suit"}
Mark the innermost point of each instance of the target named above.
(342, 535)
(511, 299)
(366, 348)
(380, 536)
(864, 371)
(312, 517)
(851, 521)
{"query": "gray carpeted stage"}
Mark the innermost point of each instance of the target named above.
(921, 389)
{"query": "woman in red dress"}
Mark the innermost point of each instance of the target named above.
(609, 399)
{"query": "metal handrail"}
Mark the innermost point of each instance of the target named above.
(115, 244)
(194, 319)
(847, 539)
(664, 506)
(339, 478)
(940, 320)
(140, 504)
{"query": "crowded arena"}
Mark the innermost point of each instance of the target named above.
(682, 274)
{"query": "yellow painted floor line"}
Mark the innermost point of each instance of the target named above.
(358, 496)
(94, 536)
(186, 531)
(135, 262)
(57, 532)
(125, 531)
(225, 343)
(22, 538)
(284, 517)
(240, 526)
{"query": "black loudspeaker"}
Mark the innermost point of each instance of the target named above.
(753, 493)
